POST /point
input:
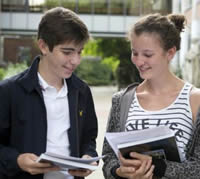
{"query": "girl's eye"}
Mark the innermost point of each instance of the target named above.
(134, 54)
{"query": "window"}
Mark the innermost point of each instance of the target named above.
(14, 5)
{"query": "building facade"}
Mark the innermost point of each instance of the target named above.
(104, 18)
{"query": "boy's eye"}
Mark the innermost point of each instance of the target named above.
(67, 52)
(148, 55)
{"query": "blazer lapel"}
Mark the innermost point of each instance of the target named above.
(73, 132)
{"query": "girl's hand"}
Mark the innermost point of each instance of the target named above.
(137, 168)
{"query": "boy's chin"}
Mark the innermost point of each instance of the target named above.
(66, 76)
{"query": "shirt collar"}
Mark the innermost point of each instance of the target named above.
(44, 86)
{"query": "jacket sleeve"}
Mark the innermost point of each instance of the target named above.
(190, 168)
(8, 155)
(90, 130)
(113, 125)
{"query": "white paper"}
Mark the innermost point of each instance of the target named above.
(68, 162)
(76, 159)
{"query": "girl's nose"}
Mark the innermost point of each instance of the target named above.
(138, 61)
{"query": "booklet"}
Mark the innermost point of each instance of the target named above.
(69, 162)
(158, 141)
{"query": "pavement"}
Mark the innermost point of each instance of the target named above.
(102, 99)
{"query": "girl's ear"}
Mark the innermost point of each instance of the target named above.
(43, 47)
(170, 53)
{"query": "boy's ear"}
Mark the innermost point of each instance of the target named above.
(43, 46)
(170, 53)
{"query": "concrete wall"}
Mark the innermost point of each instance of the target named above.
(102, 25)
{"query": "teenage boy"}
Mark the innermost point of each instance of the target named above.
(46, 107)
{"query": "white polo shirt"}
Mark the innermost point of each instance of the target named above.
(58, 123)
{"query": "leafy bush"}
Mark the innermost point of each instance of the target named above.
(51, 3)
(119, 48)
(94, 72)
(13, 69)
(126, 74)
(54, 3)
(112, 63)
(2, 73)
(91, 48)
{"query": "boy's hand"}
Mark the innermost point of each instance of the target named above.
(81, 172)
(27, 162)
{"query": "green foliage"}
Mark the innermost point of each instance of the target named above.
(51, 3)
(2, 72)
(13, 69)
(91, 48)
(126, 74)
(94, 72)
(112, 63)
(116, 54)
(54, 3)
(178, 73)
(119, 48)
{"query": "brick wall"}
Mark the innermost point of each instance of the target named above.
(15, 49)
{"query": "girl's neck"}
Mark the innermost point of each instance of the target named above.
(162, 86)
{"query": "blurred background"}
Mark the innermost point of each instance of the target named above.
(106, 64)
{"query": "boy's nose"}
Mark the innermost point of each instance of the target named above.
(75, 59)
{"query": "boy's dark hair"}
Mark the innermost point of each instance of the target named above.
(168, 28)
(59, 25)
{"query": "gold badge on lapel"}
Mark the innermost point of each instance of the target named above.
(81, 113)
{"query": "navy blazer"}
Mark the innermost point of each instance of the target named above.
(23, 120)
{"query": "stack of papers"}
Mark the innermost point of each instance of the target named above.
(68, 162)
